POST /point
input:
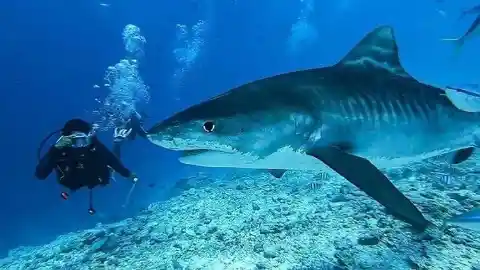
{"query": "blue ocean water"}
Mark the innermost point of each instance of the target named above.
(54, 52)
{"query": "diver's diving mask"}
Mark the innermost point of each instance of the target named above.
(80, 139)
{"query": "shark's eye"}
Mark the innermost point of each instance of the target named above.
(209, 126)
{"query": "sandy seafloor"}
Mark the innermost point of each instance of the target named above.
(251, 220)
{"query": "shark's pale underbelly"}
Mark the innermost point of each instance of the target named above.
(288, 159)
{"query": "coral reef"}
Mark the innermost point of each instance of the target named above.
(254, 221)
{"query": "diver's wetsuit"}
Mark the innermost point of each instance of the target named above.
(136, 124)
(81, 167)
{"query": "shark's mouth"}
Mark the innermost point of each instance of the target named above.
(200, 152)
(187, 153)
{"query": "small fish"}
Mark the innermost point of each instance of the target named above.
(104, 5)
(96, 86)
(472, 30)
(447, 179)
(469, 220)
(318, 182)
(315, 185)
(322, 176)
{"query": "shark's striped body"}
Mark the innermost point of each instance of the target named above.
(364, 109)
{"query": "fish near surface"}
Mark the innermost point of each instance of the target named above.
(354, 117)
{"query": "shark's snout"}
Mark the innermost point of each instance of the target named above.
(164, 135)
(164, 140)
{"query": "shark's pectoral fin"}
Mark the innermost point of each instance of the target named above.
(277, 173)
(377, 50)
(464, 99)
(363, 174)
(462, 155)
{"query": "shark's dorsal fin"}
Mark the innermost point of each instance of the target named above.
(378, 49)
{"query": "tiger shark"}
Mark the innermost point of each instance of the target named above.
(355, 118)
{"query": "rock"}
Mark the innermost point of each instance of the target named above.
(200, 229)
(459, 196)
(68, 247)
(271, 228)
(91, 237)
(270, 252)
(339, 198)
(258, 248)
(102, 257)
(113, 261)
(176, 265)
(458, 241)
(207, 221)
(261, 265)
(212, 229)
(169, 231)
(190, 232)
(162, 267)
(111, 243)
(98, 245)
(369, 240)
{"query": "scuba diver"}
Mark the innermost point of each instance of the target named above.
(128, 129)
(80, 160)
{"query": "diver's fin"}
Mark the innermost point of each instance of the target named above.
(368, 178)
(462, 155)
(378, 49)
(463, 99)
(277, 173)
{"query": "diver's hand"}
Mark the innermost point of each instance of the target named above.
(63, 141)
(133, 177)
(119, 134)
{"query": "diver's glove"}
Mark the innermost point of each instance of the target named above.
(120, 134)
(63, 141)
